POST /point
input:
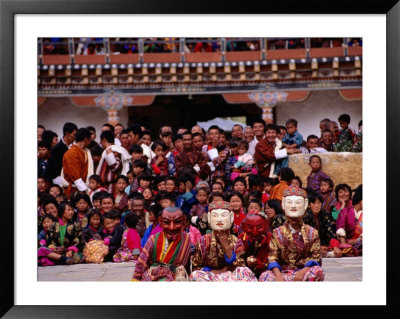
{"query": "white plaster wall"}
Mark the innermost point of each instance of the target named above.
(318, 105)
(56, 111)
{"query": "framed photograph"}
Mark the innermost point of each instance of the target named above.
(23, 24)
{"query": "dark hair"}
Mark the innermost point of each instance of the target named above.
(96, 178)
(177, 137)
(64, 197)
(299, 180)
(131, 219)
(61, 208)
(281, 127)
(339, 187)
(135, 148)
(198, 134)
(139, 163)
(96, 150)
(187, 178)
(160, 129)
(272, 127)
(109, 126)
(239, 179)
(108, 136)
(172, 178)
(145, 176)
(156, 209)
(215, 194)
(357, 197)
(315, 156)
(82, 134)
(53, 219)
(243, 143)
(344, 118)
(93, 213)
(286, 174)
(258, 202)
(360, 123)
(78, 196)
(158, 179)
(69, 128)
(259, 120)
(107, 195)
(99, 195)
(313, 196)
(49, 201)
(107, 215)
(135, 195)
(44, 143)
(126, 179)
(326, 131)
(256, 194)
(135, 129)
(167, 133)
(275, 205)
(148, 133)
(312, 136)
(164, 195)
(292, 121)
(91, 128)
(234, 142)
(158, 143)
(48, 136)
(329, 181)
(255, 180)
(234, 193)
(58, 186)
(213, 127)
(237, 125)
(41, 126)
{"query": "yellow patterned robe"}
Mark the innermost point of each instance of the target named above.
(285, 252)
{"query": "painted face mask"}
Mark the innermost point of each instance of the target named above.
(220, 217)
(255, 227)
(294, 202)
(171, 221)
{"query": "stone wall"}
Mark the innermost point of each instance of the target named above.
(342, 167)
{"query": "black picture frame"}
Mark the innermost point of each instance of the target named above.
(8, 9)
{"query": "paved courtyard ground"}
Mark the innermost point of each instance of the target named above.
(336, 269)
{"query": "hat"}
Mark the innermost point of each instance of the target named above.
(294, 191)
(219, 205)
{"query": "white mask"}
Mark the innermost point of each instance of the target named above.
(220, 219)
(294, 206)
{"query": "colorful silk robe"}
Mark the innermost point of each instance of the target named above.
(260, 250)
(208, 252)
(109, 173)
(289, 253)
(177, 254)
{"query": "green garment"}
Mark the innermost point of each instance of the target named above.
(335, 212)
(63, 229)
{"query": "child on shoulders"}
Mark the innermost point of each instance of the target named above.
(244, 163)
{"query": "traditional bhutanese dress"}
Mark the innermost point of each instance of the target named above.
(162, 258)
(291, 251)
(130, 246)
(209, 255)
(349, 224)
(258, 249)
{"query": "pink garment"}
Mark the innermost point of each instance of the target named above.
(195, 235)
(347, 220)
(156, 230)
(133, 239)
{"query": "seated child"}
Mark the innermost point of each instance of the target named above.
(254, 205)
(159, 184)
(312, 145)
(82, 205)
(202, 206)
(111, 233)
(154, 212)
(328, 196)
(121, 198)
(292, 139)
(130, 246)
(244, 163)
(144, 180)
(186, 201)
(95, 186)
(316, 175)
(165, 199)
(46, 221)
(92, 232)
(269, 183)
